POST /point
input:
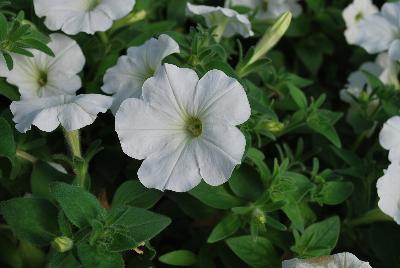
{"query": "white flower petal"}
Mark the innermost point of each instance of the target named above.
(220, 98)
(389, 192)
(394, 50)
(340, 260)
(142, 129)
(235, 23)
(358, 10)
(171, 91)
(72, 112)
(76, 16)
(389, 137)
(174, 168)
(219, 150)
(126, 79)
(391, 11)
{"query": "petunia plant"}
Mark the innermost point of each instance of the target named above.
(199, 133)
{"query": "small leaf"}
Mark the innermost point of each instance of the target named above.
(96, 257)
(179, 258)
(215, 196)
(9, 60)
(320, 123)
(7, 142)
(225, 228)
(298, 96)
(38, 45)
(334, 192)
(3, 27)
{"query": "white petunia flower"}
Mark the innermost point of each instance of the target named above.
(228, 21)
(389, 138)
(352, 16)
(389, 191)
(381, 31)
(43, 75)
(340, 260)
(125, 80)
(268, 9)
(89, 16)
(72, 112)
(184, 128)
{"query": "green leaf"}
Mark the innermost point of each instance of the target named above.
(59, 260)
(79, 206)
(334, 192)
(22, 51)
(135, 194)
(93, 257)
(215, 196)
(31, 219)
(225, 228)
(9, 60)
(246, 183)
(298, 96)
(7, 90)
(257, 157)
(318, 239)
(3, 27)
(7, 142)
(38, 45)
(323, 125)
(130, 226)
(258, 253)
(179, 258)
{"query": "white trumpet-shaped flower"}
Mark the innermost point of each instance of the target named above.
(389, 138)
(43, 75)
(340, 260)
(228, 21)
(353, 14)
(267, 9)
(389, 191)
(184, 128)
(381, 31)
(71, 112)
(125, 80)
(89, 16)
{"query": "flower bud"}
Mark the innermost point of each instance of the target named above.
(274, 126)
(62, 244)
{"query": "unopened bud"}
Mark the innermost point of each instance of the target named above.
(62, 244)
(274, 126)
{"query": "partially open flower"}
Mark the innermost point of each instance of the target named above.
(43, 75)
(184, 128)
(353, 14)
(89, 16)
(389, 138)
(381, 31)
(72, 112)
(267, 9)
(228, 21)
(340, 260)
(389, 191)
(125, 80)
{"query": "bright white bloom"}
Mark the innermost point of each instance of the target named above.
(389, 138)
(184, 128)
(268, 9)
(72, 112)
(125, 80)
(43, 75)
(340, 260)
(381, 31)
(353, 14)
(232, 22)
(389, 191)
(89, 16)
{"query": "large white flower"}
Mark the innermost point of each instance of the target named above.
(229, 21)
(389, 138)
(89, 16)
(389, 192)
(267, 9)
(381, 31)
(340, 260)
(184, 128)
(125, 80)
(72, 112)
(43, 75)
(353, 14)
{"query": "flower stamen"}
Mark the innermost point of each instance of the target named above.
(194, 127)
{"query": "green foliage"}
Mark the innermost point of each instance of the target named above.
(179, 258)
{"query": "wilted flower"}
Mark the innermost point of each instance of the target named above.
(43, 75)
(381, 31)
(340, 260)
(184, 128)
(389, 189)
(72, 112)
(389, 138)
(228, 21)
(353, 14)
(267, 9)
(125, 80)
(89, 16)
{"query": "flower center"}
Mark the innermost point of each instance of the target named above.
(42, 79)
(93, 4)
(359, 16)
(194, 127)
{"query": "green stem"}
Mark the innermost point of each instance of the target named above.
(26, 156)
(104, 37)
(74, 143)
(219, 31)
(128, 20)
(374, 215)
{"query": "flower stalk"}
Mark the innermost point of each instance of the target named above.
(74, 143)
